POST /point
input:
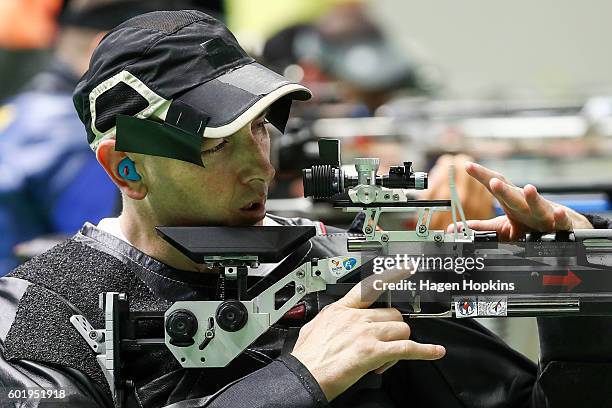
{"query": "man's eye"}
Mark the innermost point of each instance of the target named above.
(216, 148)
(262, 123)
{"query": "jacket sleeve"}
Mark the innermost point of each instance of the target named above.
(599, 222)
(283, 383)
(33, 384)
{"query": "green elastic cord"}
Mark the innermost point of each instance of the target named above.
(157, 139)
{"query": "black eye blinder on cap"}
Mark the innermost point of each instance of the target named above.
(278, 113)
(178, 137)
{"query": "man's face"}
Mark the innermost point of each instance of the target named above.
(230, 190)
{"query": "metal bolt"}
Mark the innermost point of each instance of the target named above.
(387, 196)
(396, 197)
(438, 238)
(384, 238)
(93, 335)
(209, 334)
(368, 229)
(422, 229)
(300, 274)
(300, 289)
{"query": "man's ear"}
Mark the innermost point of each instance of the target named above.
(109, 158)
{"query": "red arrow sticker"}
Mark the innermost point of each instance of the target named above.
(570, 281)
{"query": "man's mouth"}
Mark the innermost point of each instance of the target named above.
(254, 206)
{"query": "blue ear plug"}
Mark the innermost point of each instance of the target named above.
(127, 170)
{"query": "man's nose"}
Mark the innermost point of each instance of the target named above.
(255, 164)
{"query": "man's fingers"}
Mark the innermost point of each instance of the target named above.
(562, 220)
(508, 195)
(390, 331)
(480, 225)
(383, 314)
(411, 350)
(507, 232)
(539, 207)
(483, 174)
(500, 224)
(363, 294)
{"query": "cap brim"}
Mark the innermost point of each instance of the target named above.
(236, 98)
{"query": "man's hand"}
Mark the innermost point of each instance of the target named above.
(476, 201)
(346, 340)
(526, 210)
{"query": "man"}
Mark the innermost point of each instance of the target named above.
(176, 112)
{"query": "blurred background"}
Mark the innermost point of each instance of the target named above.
(522, 87)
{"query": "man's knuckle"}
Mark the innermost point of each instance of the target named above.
(406, 330)
(396, 315)
(347, 315)
(408, 349)
(365, 346)
(377, 348)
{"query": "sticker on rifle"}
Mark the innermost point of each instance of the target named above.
(492, 306)
(466, 307)
(339, 266)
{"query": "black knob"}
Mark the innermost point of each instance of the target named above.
(231, 315)
(181, 326)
